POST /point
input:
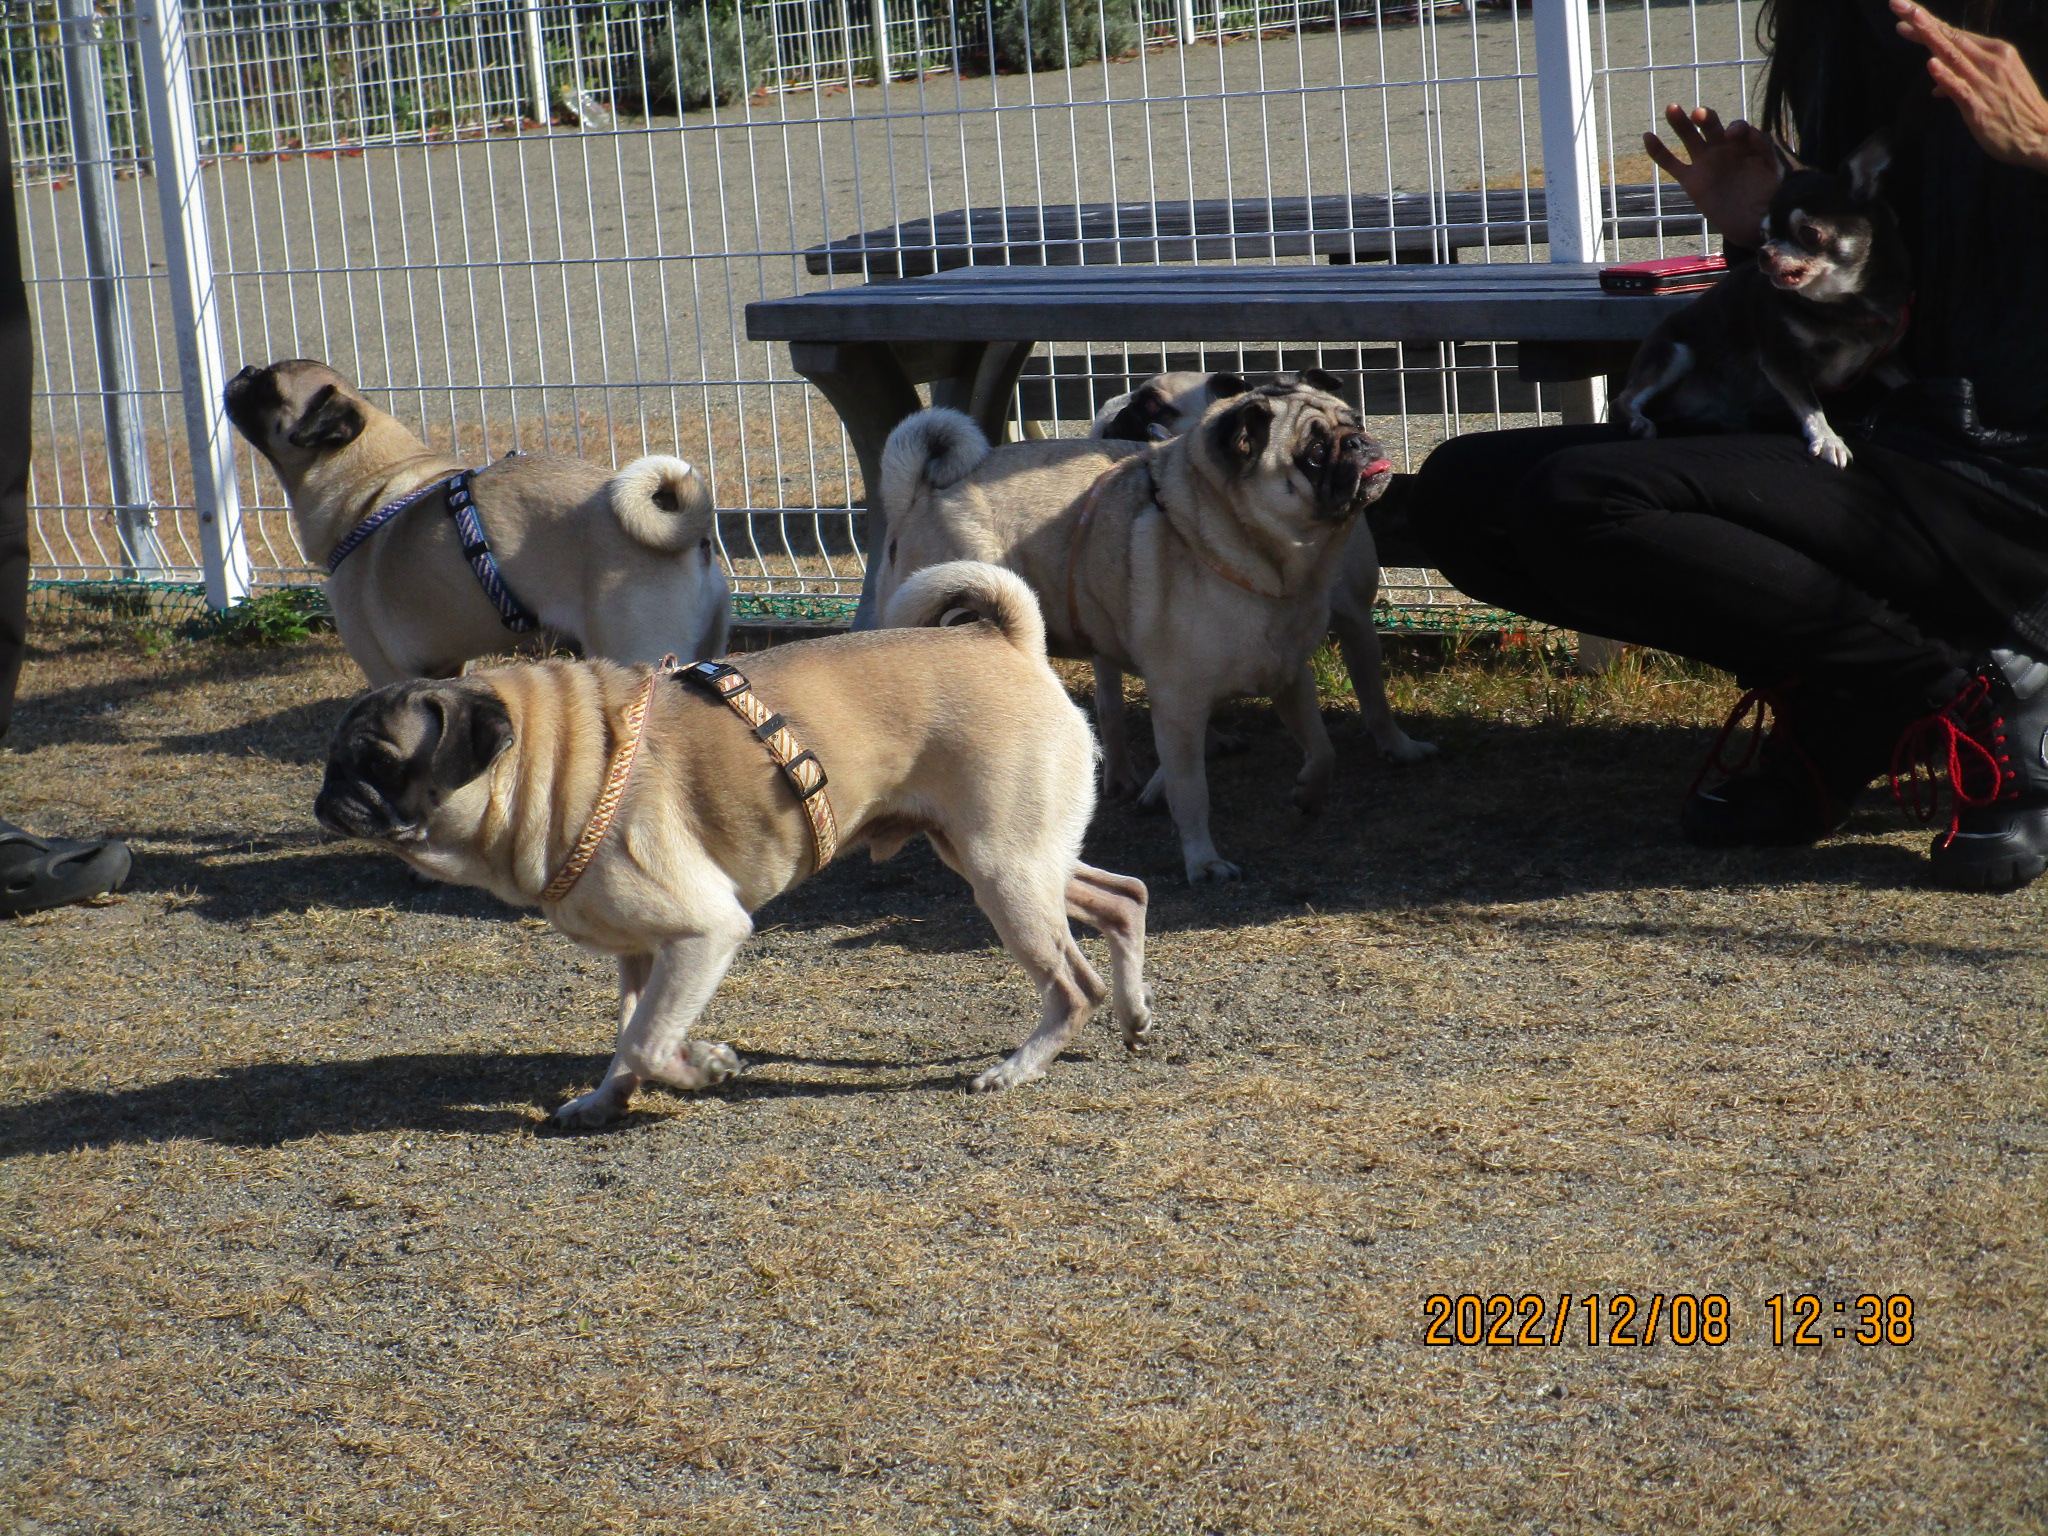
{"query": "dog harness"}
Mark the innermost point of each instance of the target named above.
(476, 549)
(378, 519)
(469, 528)
(805, 773)
(616, 774)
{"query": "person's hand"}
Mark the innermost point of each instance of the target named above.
(1732, 172)
(1988, 81)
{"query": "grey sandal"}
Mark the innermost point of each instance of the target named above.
(37, 873)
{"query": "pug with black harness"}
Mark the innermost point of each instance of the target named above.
(431, 565)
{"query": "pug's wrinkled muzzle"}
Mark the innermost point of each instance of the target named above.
(354, 810)
(1358, 473)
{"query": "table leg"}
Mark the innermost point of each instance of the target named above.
(867, 385)
(985, 385)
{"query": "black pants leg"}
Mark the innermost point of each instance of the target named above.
(1741, 551)
(16, 381)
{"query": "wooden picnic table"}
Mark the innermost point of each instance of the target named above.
(967, 333)
(1345, 227)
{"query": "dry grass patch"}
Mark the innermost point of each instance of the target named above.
(284, 1251)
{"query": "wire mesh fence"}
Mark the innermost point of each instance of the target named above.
(536, 226)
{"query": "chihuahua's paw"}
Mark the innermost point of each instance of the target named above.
(1829, 449)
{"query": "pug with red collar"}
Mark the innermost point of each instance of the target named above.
(1202, 563)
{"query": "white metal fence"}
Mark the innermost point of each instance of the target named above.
(536, 226)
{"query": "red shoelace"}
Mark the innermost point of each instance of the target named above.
(1947, 744)
(1766, 712)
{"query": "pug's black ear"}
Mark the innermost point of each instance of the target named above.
(1148, 408)
(1328, 383)
(1867, 164)
(1223, 386)
(1240, 433)
(475, 728)
(331, 420)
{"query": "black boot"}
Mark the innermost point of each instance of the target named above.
(1805, 760)
(1990, 741)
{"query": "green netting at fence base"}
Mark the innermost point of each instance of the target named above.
(185, 602)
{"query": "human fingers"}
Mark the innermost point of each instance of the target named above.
(1709, 122)
(1688, 132)
(1949, 43)
(1667, 162)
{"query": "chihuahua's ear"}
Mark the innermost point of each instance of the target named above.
(1787, 161)
(1867, 164)
(331, 420)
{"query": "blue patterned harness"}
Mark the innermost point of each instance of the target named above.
(469, 528)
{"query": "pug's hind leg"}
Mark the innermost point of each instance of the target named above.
(1296, 705)
(654, 1043)
(1114, 906)
(1031, 919)
(1360, 643)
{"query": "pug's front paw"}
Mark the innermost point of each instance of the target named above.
(1212, 871)
(588, 1111)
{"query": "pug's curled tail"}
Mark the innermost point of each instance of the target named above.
(962, 591)
(935, 449)
(663, 505)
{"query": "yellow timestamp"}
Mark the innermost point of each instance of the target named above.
(1631, 1320)
(1878, 1319)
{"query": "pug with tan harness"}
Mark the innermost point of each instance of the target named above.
(650, 812)
(431, 565)
(1202, 563)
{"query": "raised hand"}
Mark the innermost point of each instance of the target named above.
(1988, 81)
(1731, 174)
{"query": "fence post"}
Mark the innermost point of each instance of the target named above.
(1571, 158)
(85, 101)
(537, 64)
(1184, 13)
(878, 33)
(195, 300)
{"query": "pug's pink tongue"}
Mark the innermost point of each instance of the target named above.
(1378, 467)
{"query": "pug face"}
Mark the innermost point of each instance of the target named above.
(397, 755)
(1296, 449)
(1166, 406)
(295, 412)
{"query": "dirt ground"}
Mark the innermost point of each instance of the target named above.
(285, 1251)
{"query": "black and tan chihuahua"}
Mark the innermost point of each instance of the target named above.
(1822, 307)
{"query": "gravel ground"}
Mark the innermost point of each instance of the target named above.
(286, 1251)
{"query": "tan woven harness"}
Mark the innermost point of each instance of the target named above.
(805, 773)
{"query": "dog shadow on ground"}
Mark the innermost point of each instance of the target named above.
(296, 735)
(464, 1093)
(92, 712)
(1507, 815)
